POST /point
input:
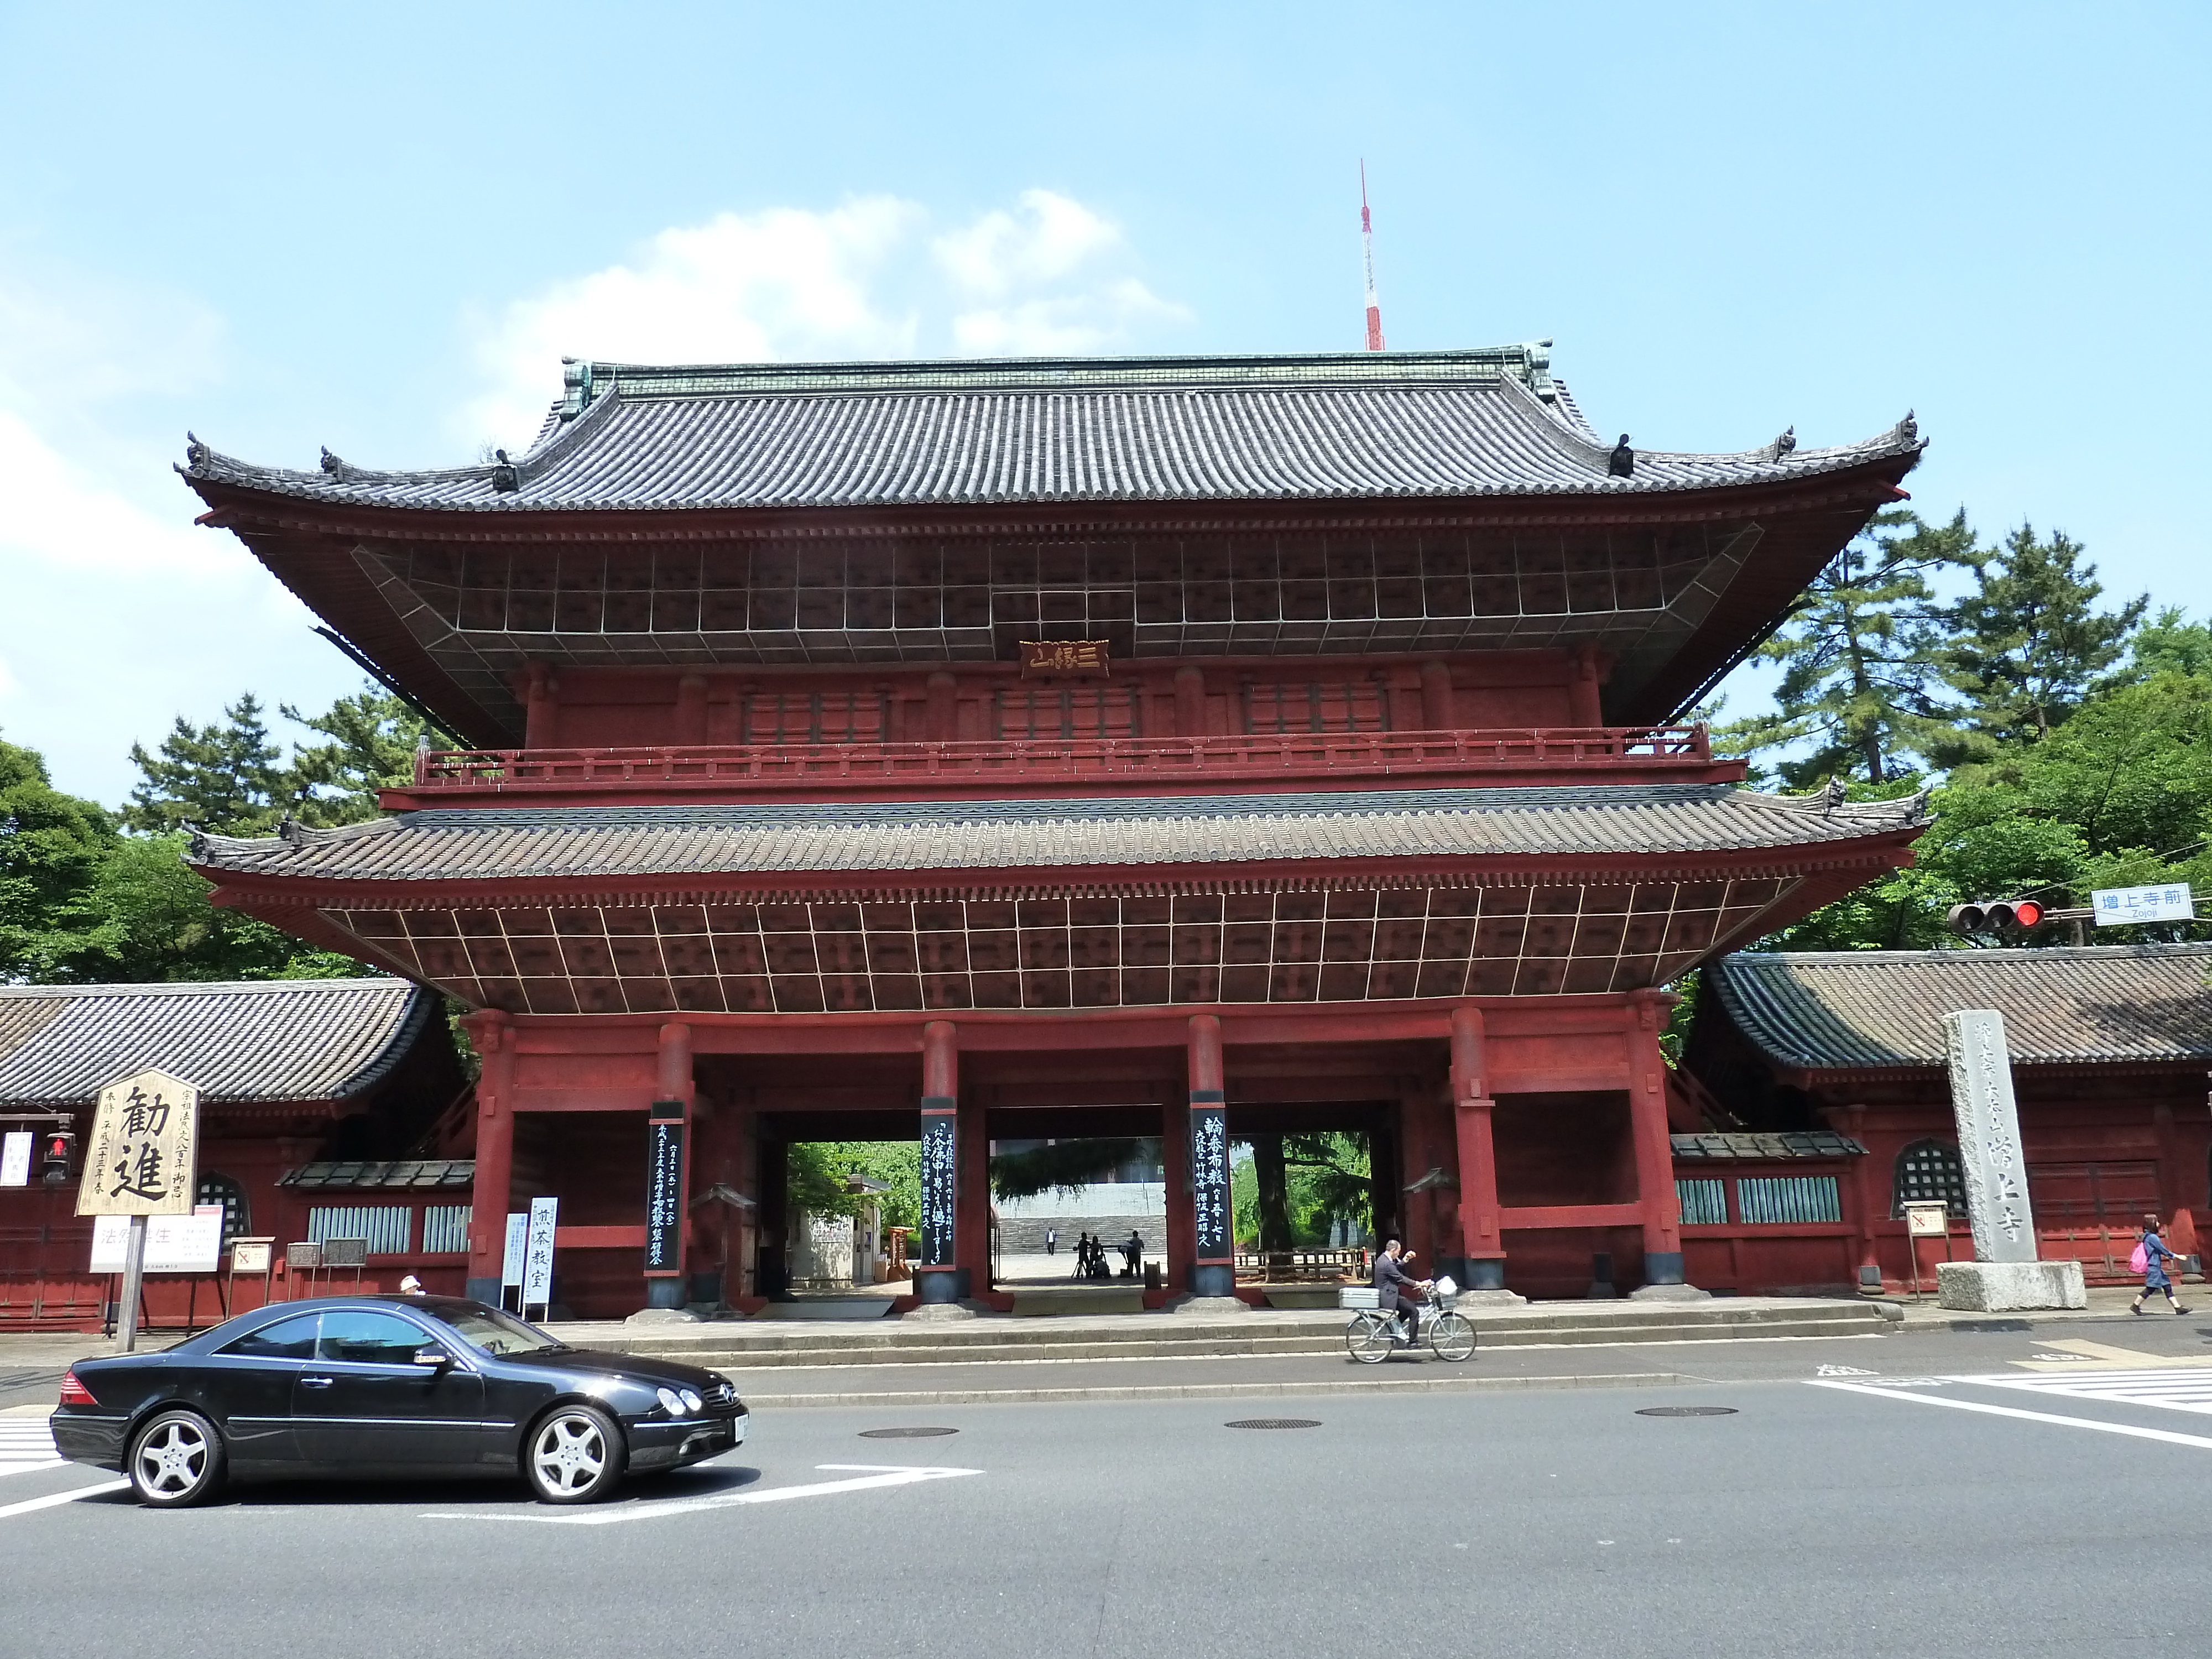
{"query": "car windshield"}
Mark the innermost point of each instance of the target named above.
(497, 1332)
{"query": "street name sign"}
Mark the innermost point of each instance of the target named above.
(2117, 907)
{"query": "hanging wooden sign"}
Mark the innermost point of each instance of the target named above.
(1063, 657)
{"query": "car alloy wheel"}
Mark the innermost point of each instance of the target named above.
(176, 1459)
(574, 1455)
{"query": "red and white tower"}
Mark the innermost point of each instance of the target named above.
(1367, 242)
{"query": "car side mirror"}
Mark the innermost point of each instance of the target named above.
(433, 1358)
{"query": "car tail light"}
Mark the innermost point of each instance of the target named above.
(74, 1393)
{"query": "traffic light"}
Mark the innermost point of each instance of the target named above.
(58, 1148)
(1995, 915)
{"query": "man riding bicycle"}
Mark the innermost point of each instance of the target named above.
(1390, 1273)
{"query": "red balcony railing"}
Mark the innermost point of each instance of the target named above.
(750, 768)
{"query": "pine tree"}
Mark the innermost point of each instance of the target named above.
(2028, 644)
(224, 778)
(373, 738)
(1861, 672)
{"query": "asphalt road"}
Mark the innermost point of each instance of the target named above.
(2054, 1507)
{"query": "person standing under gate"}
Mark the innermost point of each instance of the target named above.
(1052, 1240)
(1389, 1274)
(2149, 1259)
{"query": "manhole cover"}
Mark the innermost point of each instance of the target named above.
(1274, 1423)
(904, 1434)
(1686, 1411)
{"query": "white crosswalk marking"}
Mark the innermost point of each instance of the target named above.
(25, 1444)
(2177, 1390)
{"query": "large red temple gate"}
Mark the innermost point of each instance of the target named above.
(996, 749)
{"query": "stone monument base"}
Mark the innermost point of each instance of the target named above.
(1670, 1293)
(934, 1310)
(2009, 1286)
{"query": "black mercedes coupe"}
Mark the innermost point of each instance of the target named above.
(385, 1385)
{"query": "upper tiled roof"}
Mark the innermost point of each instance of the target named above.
(510, 842)
(1874, 1009)
(258, 1040)
(1354, 425)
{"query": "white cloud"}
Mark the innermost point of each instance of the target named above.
(1047, 276)
(117, 612)
(1050, 238)
(737, 288)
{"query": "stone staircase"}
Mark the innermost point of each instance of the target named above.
(760, 1344)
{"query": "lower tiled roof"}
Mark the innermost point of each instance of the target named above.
(402, 1172)
(1742, 1147)
(506, 843)
(1878, 1010)
(256, 1041)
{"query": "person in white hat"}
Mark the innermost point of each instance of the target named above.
(410, 1285)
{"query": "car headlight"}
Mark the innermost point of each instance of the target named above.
(670, 1401)
(692, 1403)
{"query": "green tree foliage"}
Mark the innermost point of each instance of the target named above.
(817, 1172)
(227, 778)
(1065, 1166)
(2119, 795)
(232, 779)
(51, 846)
(1325, 1177)
(1861, 676)
(372, 740)
(2028, 644)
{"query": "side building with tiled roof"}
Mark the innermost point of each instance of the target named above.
(291, 1073)
(2110, 1046)
(1202, 749)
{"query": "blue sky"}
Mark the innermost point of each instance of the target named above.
(379, 230)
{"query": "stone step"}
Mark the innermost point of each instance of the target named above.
(735, 1347)
(1557, 1319)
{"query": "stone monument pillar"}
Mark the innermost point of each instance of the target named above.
(2004, 1274)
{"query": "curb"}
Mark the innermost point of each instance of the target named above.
(1220, 1390)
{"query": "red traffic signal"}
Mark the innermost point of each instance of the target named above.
(1995, 915)
(56, 1151)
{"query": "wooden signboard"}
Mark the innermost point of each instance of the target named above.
(664, 1195)
(1063, 657)
(139, 1158)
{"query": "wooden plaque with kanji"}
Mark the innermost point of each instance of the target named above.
(140, 1157)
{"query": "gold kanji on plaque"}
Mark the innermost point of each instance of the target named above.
(1063, 657)
(139, 1158)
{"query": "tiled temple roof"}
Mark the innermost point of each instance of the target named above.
(403, 1173)
(243, 1042)
(1877, 1010)
(1344, 425)
(1741, 1146)
(510, 842)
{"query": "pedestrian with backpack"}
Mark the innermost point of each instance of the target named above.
(2149, 1259)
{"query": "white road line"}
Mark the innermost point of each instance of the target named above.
(25, 1445)
(884, 1475)
(2180, 1390)
(2130, 1428)
(52, 1498)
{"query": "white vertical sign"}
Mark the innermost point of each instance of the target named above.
(15, 1158)
(518, 1245)
(537, 1255)
(1989, 1151)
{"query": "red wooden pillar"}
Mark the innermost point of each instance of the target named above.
(674, 1094)
(689, 725)
(1582, 701)
(942, 704)
(1189, 701)
(946, 1133)
(1655, 1151)
(493, 1039)
(1483, 1246)
(1206, 1268)
(541, 714)
(1439, 713)
(1851, 1121)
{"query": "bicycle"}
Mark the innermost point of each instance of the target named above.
(1373, 1333)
